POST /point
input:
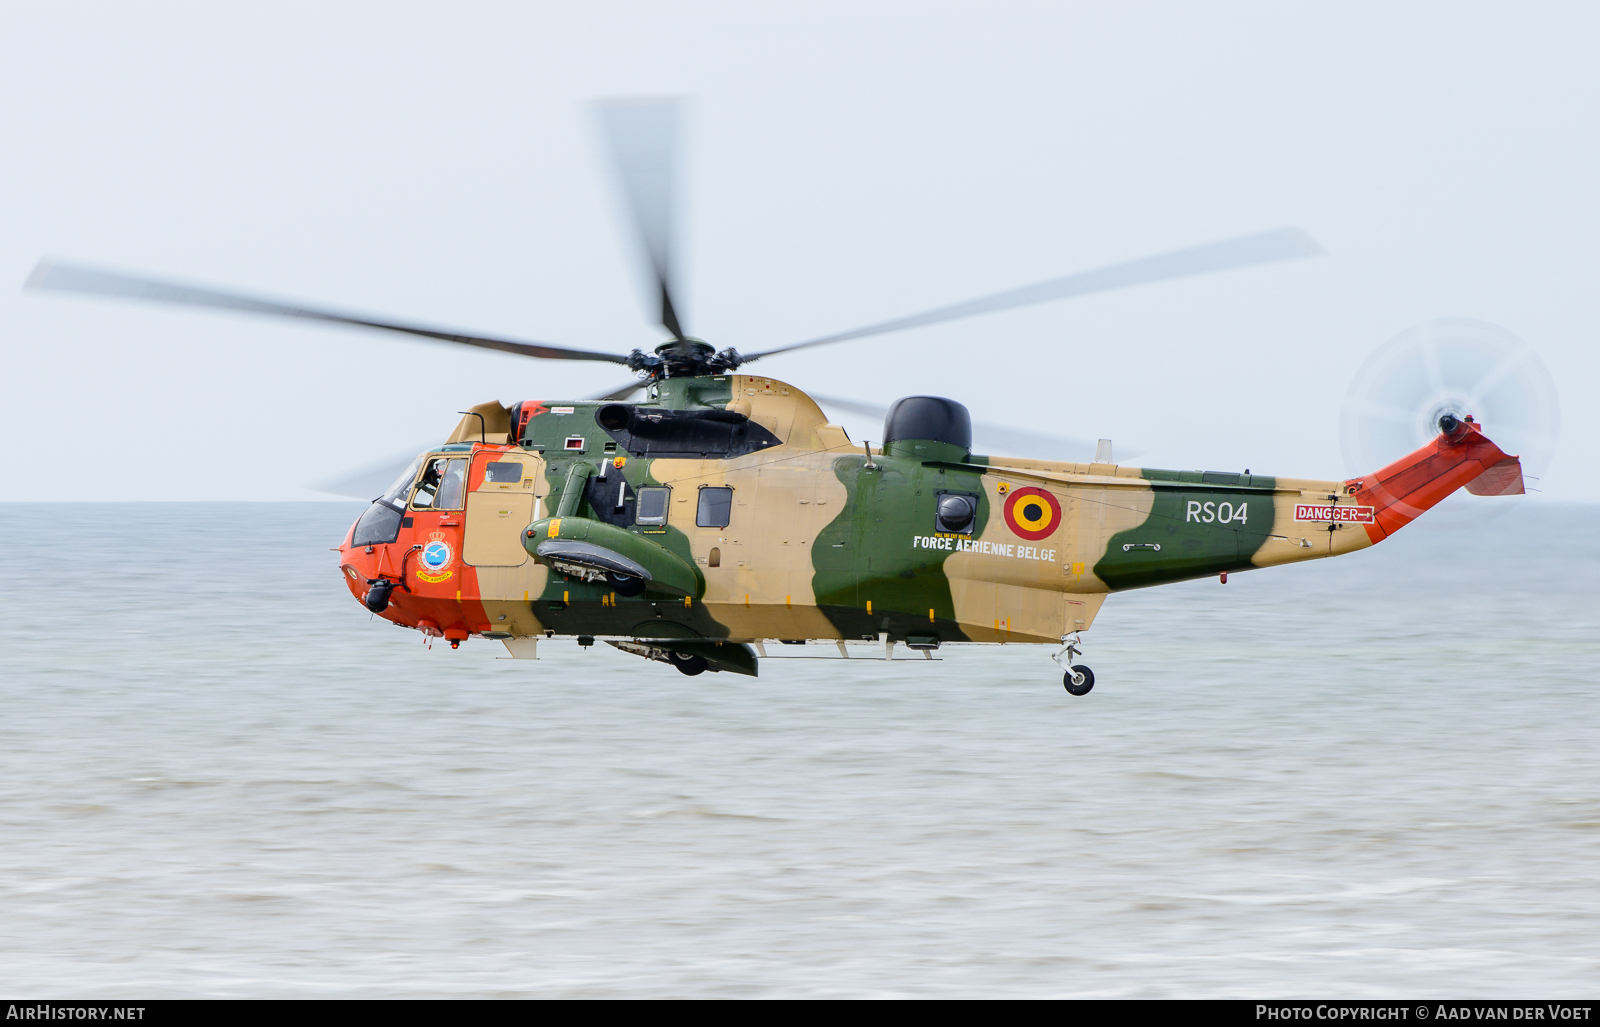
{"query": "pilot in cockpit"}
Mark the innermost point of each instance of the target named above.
(442, 486)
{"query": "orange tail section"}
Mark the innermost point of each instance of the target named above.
(1415, 483)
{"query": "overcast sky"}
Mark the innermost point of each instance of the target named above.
(848, 163)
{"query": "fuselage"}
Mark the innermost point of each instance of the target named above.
(762, 520)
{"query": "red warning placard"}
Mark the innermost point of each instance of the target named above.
(1313, 512)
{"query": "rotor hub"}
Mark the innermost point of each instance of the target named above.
(684, 358)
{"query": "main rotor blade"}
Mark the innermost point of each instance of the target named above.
(370, 480)
(642, 139)
(994, 439)
(1284, 244)
(617, 395)
(53, 277)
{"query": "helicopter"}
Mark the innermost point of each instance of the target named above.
(721, 510)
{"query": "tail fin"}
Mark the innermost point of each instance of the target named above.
(1415, 483)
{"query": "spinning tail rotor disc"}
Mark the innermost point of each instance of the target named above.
(1454, 366)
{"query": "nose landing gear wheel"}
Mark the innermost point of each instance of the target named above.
(1078, 680)
(690, 665)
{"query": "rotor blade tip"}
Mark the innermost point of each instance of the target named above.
(1309, 246)
(41, 272)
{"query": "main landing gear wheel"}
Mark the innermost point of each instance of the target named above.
(687, 664)
(1078, 680)
(625, 584)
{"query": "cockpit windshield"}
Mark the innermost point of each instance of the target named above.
(380, 525)
(395, 495)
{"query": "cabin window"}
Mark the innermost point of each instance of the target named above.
(716, 504)
(504, 472)
(651, 508)
(443, 485)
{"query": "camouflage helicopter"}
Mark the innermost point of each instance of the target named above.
(723, 510)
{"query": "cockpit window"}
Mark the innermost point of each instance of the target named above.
(442, 486)
(453, 487)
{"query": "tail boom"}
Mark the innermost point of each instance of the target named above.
(1419, 481)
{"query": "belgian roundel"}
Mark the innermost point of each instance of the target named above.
(1032, 513)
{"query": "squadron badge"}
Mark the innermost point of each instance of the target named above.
(433, 563)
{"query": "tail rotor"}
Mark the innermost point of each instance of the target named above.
(1444, 371)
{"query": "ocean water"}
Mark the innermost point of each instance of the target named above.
(1372, 776)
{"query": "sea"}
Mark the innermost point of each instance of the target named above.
(1373, 776)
